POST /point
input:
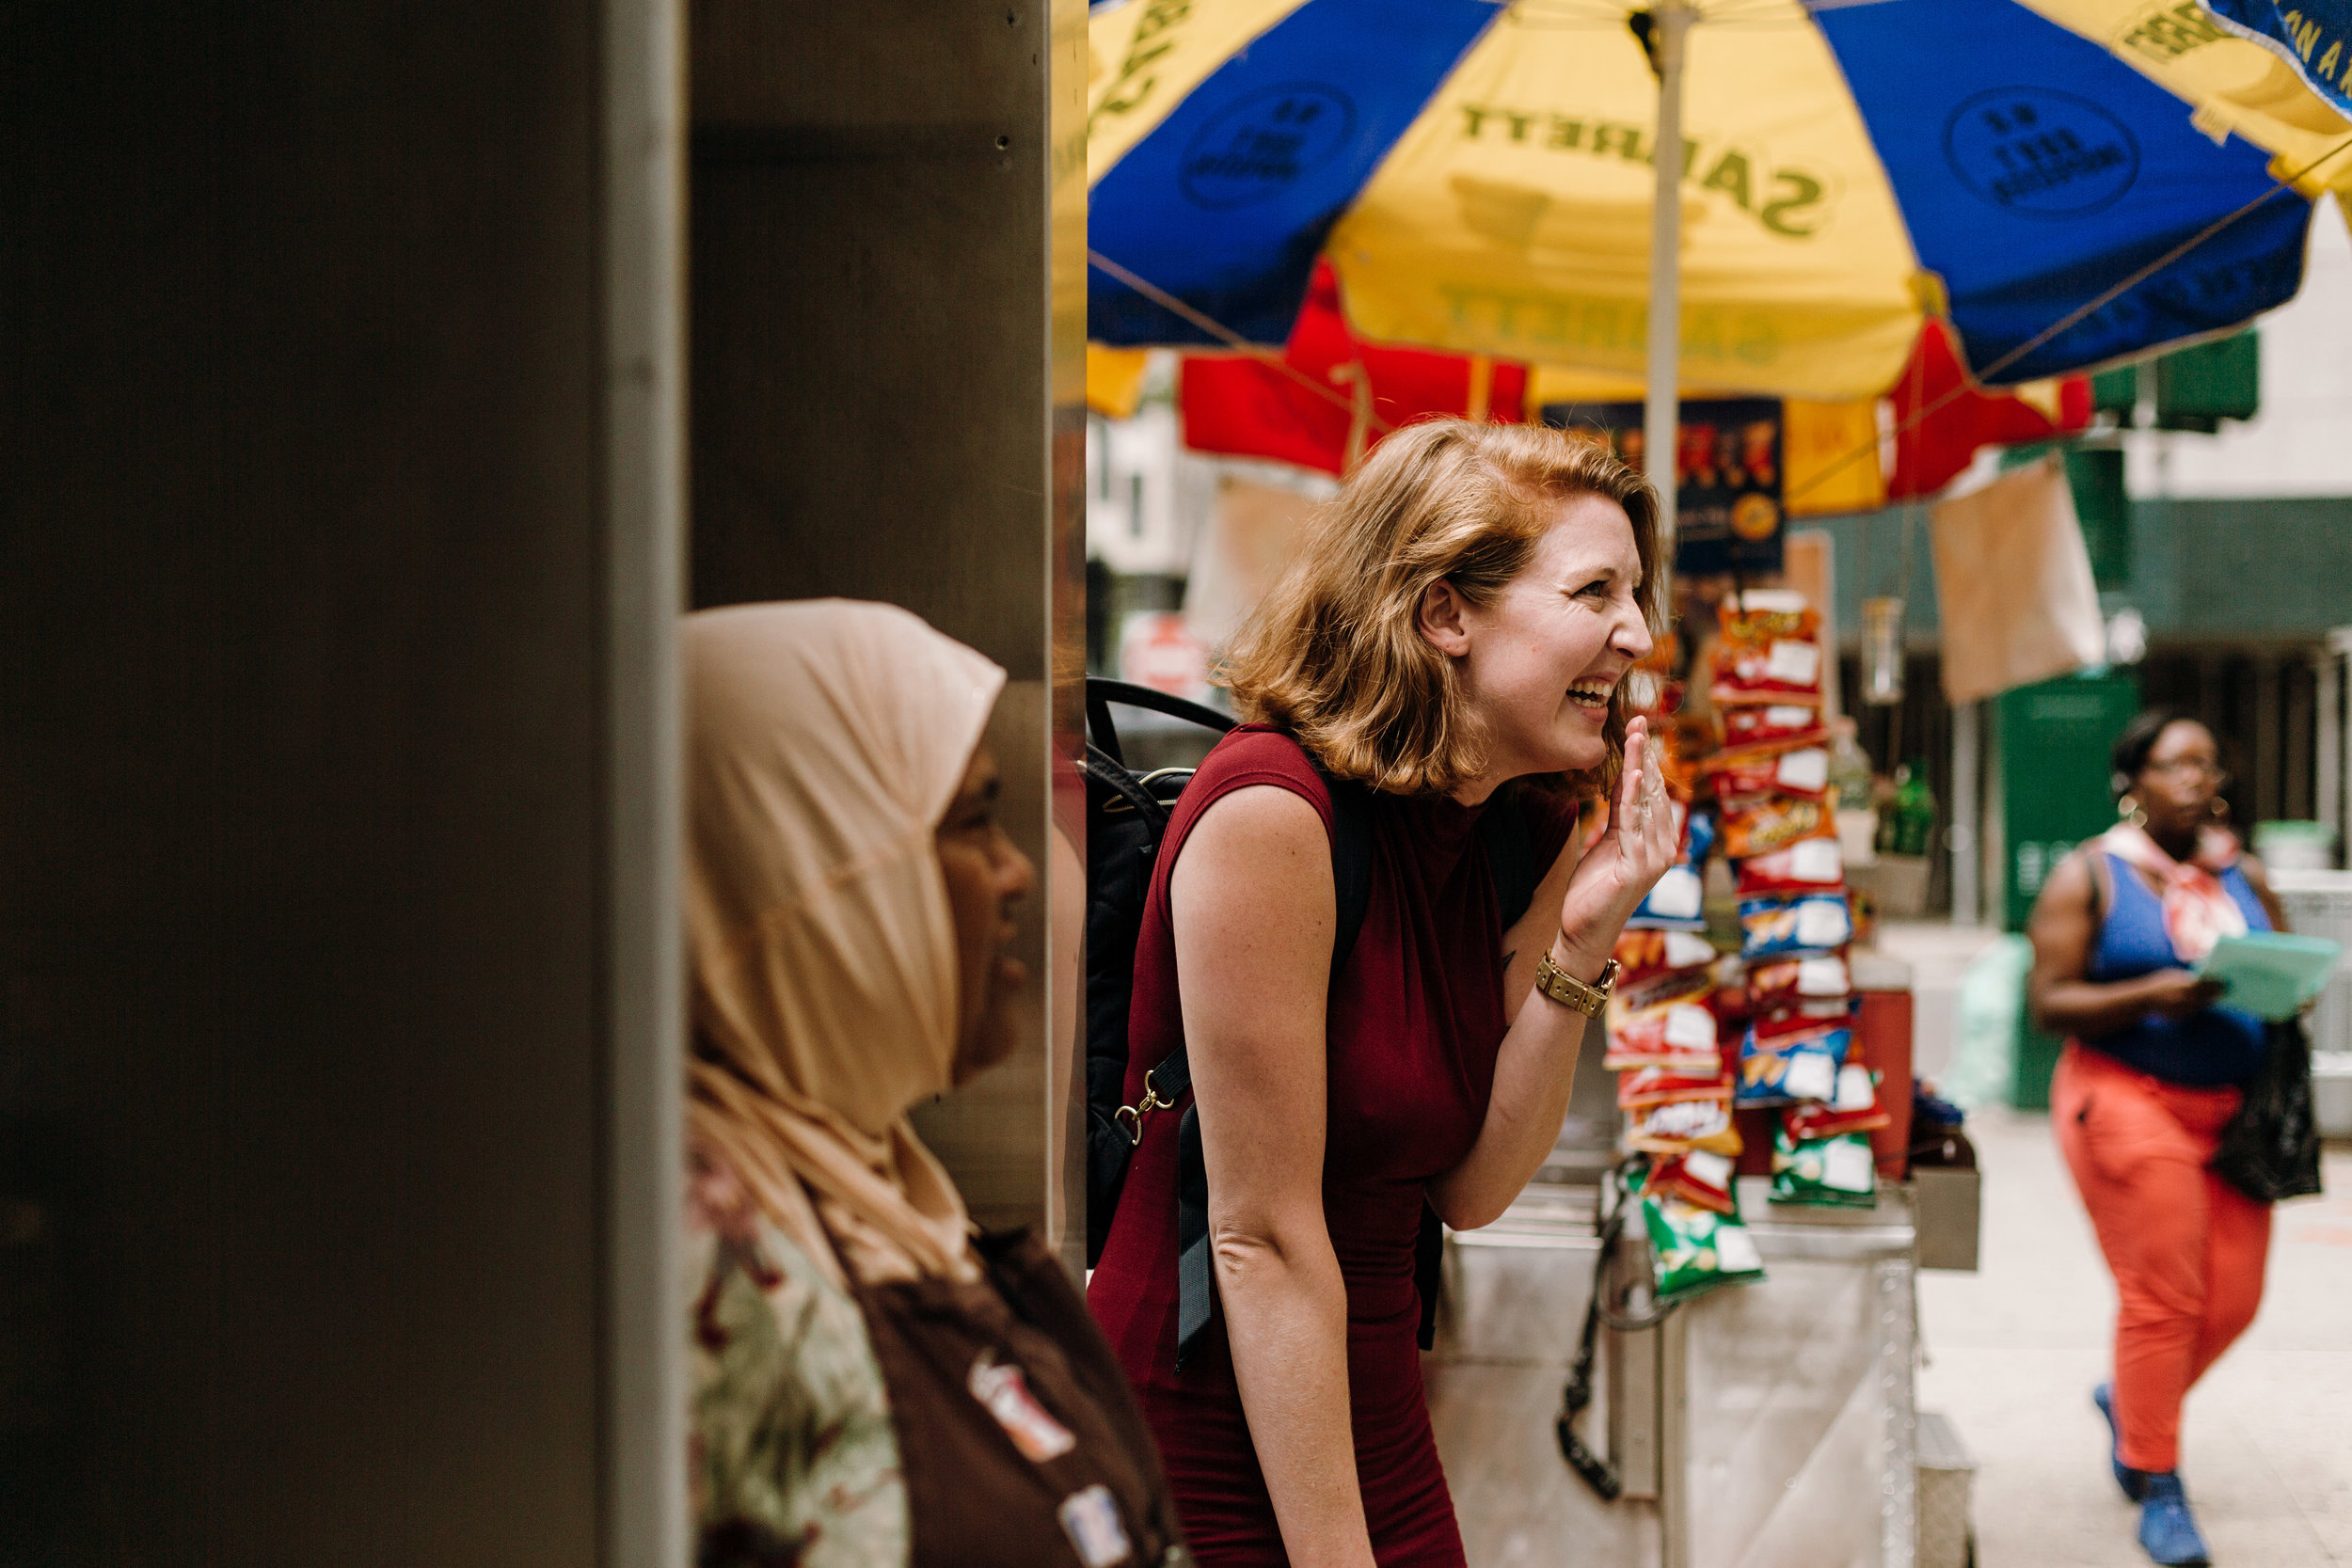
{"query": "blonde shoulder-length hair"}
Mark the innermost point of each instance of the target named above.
(1334, 653)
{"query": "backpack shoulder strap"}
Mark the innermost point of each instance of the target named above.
(1351, 863)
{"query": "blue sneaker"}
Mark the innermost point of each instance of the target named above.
(2134, 1482)
(2167, 1528)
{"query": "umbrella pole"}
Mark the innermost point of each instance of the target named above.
(1670, 24)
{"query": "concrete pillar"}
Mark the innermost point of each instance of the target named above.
(888, 357)
(338, 1108)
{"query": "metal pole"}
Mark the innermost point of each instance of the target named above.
(1669, 25)
(2335, 740)
(1967, 853)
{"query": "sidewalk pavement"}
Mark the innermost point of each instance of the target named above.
(2010, 1354)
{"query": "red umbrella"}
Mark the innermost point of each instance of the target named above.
(1334, 395)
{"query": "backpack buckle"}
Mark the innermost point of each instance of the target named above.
(1132, 1116)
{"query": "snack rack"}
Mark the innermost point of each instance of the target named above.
(1746, 1397)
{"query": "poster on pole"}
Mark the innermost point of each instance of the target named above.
(1728, 477)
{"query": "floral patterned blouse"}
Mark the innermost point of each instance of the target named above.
(794, 1462)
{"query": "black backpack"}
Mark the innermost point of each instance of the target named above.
(1127, 816)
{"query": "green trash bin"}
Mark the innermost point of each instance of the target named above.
(2054, 739)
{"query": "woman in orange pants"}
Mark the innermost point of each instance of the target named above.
(2149, 1079)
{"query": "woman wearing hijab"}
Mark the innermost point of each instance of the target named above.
(873, 1383)
(2147, 1081)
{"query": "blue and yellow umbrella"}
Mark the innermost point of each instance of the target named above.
(2069, 182)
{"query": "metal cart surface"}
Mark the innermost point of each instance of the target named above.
(1761, 1426)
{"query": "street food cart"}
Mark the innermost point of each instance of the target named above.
(1764, 1426)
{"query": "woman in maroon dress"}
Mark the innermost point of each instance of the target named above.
(1463, 617)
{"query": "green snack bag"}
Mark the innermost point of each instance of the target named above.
(1697, 1249)
(1838, 1172)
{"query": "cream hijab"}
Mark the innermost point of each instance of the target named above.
(825, 740)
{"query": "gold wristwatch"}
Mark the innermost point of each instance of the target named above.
(1567, 989)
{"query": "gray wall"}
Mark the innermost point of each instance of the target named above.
(332, 783)
(885, 405)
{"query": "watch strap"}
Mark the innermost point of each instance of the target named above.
(1591, 999)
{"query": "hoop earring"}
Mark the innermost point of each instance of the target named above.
(2128, 810)
(2220, 809)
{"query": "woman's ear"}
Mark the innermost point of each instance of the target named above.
(1441, 619)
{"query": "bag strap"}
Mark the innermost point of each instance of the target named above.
(1102, 692)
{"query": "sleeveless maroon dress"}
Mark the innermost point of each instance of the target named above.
(1411, 1037)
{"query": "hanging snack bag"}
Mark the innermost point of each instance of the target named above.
(1678, 1034)
(1808, 923)
(1770, 652)
(1644, 955)
(1763, 823)
(1820, 1012)
(1855, 1109)
(1836, 1172)
(1767, 723)
(1803, 771)
(1682, 1125)
(1676, 902)
(1777, 984)
(1783, 1068)
(1646, 1087)
(1697, 1249)
(1698, 1177)
(1809, 865)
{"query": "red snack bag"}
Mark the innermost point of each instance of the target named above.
(1770, 652)
(1809, 865)
(1643, 956)
(1678, 1034)
(1778, 983)
(1662, 1085)
(1699, 1176)
(1767, 723)
(1803, 771)
(1762, 824)
(1855, 1108)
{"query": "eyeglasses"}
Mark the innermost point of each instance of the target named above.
(2190, 770)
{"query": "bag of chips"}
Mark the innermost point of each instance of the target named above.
(1697, 1249)
(1697, 1178)
(1838, 1172)
(1770, 652)
(1680, 1126)
(1676, 902)
(1855, 1108)
(1783, 1068)
(1643, 956)
(1809, 923)
(1801, 771)
(1818, 1012)
(1809, 865)
(1650, 1085)
(1678, 1034)
(1763, 823)
(1782, 983)
(1772, 722)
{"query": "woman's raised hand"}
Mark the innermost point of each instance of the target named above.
(1614, 877)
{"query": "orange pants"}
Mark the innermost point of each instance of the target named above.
(2185, 1247)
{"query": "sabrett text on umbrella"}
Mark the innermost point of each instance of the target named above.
(1789, 203)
